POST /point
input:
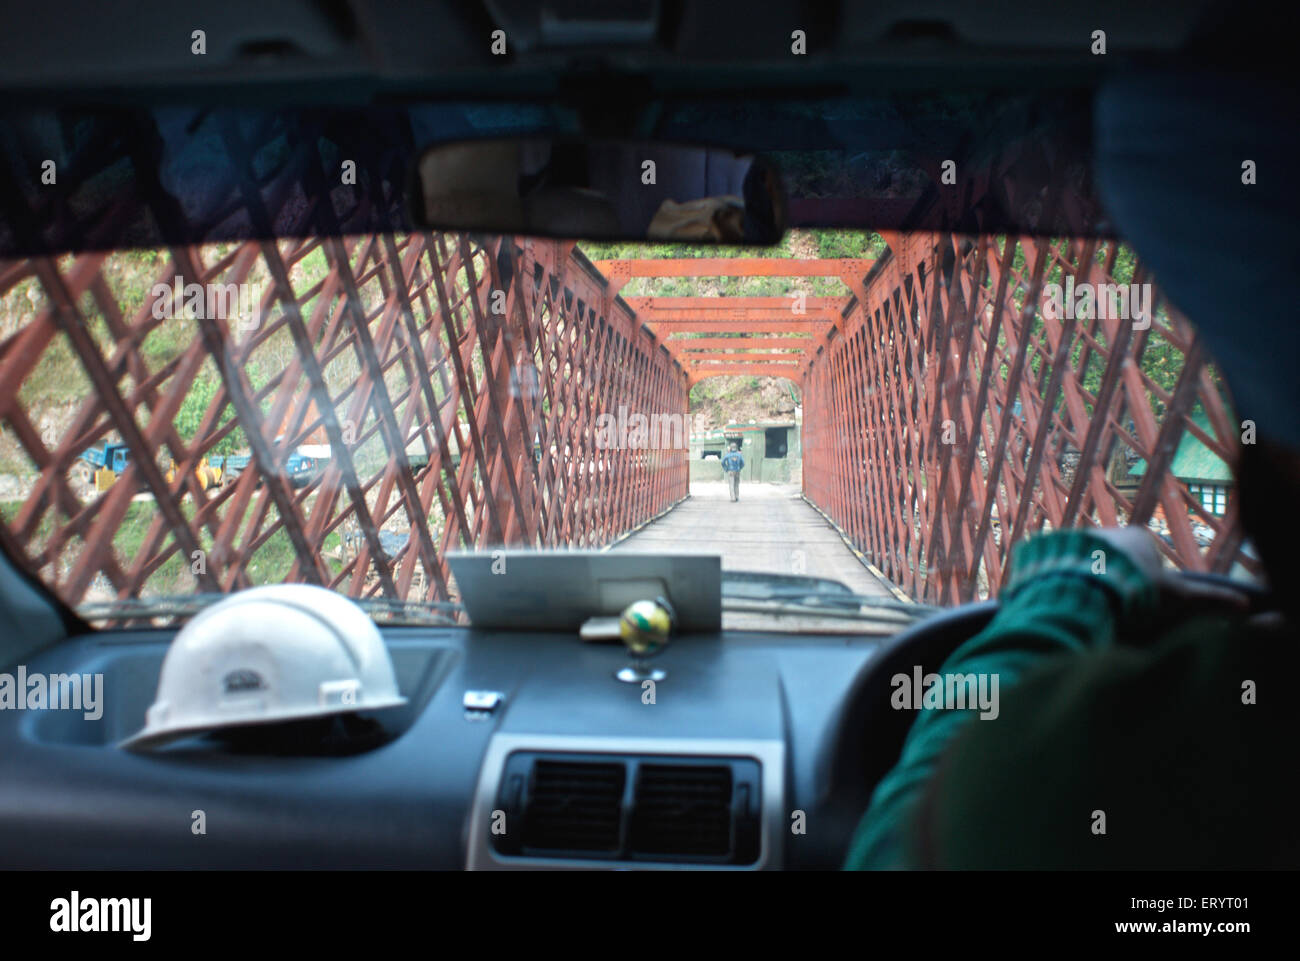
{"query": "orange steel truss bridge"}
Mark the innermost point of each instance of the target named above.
(458, 384)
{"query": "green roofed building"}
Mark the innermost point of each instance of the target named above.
(770, 448)
(1205, 474)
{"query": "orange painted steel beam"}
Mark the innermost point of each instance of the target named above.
(793, 366)
(501, 408)
(738, 316)
(644, 305)
(686, 345)
(734, 267)
(732, 326)
(740, 358)
(698, 374)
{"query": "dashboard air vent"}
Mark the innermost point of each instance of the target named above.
(688, 810)
(574, 806)
(682, 809)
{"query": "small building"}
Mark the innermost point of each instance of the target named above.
(1203, 472)
(770, 448)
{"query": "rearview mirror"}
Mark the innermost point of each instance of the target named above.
(600, 190)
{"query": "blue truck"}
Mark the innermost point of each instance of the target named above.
(101, 466)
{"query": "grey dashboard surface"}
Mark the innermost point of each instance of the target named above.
(69, 798)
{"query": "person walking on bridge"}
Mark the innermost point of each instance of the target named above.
(733, 464)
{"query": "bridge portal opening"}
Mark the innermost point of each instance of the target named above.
(770, 448)
(763, 415)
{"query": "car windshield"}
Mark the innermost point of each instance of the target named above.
(887, 414)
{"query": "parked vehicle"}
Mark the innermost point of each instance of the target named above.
(300, 468)
(306, 463)
(229, 468)
(101, 466)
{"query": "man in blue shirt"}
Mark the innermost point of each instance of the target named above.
(733, 464)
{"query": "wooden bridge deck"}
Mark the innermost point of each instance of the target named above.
(770, 529)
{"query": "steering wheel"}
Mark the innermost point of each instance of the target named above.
(869, 733)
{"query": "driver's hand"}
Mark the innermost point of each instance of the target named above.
(1138, 544)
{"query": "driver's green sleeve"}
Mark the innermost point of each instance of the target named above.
(1063, 598)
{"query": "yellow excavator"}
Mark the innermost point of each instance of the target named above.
(208, 476)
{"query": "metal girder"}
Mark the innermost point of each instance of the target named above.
(811, 316)
(734, 267)
(703, 371)
(649, 306)
(450, 423)
(733, 327)
(946, 417)
(682, 346)
(738, 318)
(952, 416)
(739, 357)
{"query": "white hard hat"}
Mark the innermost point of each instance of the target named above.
(277, 653)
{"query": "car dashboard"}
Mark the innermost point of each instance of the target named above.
(515, 750)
